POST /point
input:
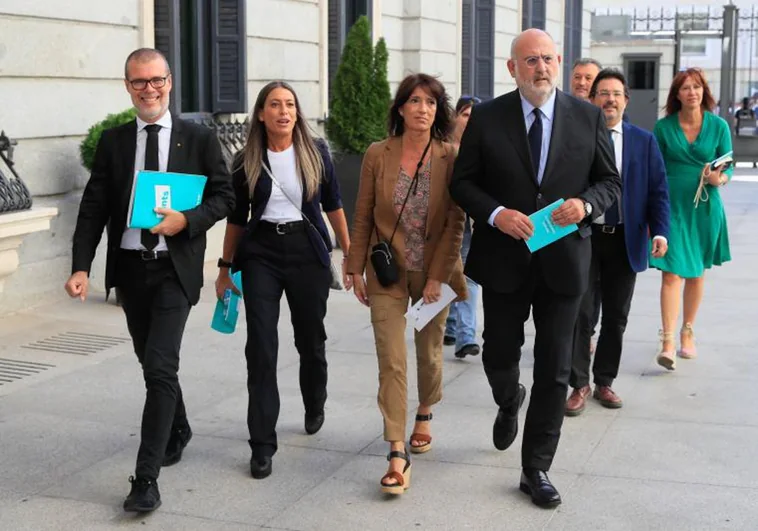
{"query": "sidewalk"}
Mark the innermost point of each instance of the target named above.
(681, 454)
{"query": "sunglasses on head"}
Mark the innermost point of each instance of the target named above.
(466, 99)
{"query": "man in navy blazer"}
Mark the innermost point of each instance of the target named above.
(619, 244)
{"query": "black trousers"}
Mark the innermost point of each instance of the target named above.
(610, 270)
(282, 263)
(554, 318)
(156, 309)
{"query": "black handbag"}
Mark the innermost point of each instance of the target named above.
(382, 258)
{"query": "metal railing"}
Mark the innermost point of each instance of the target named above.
(231, 134)
(14, 195)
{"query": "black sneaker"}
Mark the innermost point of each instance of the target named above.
(467, 350)
(176, 444)
(448, 340)
(144, 496)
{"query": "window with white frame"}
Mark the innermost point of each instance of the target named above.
(692, 44)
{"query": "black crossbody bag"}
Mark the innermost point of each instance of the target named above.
(382, 258)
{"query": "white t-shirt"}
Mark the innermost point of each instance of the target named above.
(284, 167)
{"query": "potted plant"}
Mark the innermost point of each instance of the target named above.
(89, 145)
(358, 108)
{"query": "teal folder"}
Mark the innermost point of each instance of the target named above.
(545, 231)
(227, 310)
(153, 189)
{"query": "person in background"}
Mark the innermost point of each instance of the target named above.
(744, 115)
(460, 328)
(403, 199)
(690, 137)
(583, 74)
(277, 238)
(620, 243)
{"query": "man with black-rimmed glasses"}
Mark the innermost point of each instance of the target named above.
(157, 272)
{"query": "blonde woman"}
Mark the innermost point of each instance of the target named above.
(277, 238)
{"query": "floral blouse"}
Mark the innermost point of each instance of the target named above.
(414, 215)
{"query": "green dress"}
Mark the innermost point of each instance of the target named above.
(698, 238)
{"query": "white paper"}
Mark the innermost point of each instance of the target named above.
(422, 313)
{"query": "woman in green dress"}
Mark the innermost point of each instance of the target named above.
(690, 137)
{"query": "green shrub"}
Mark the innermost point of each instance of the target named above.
(89, 144)
(361, 94)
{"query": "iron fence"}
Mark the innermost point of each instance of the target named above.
(14, 195)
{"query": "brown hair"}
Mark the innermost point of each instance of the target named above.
(673, 105)
(443, 121)
(308, 158)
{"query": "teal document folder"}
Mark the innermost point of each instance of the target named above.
(227, 310)
(545, 231)
(153, 189)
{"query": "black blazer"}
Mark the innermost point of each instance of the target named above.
(494, 169)
(194, 149)
(247, 212)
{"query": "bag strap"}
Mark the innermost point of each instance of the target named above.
(701, 195)
(307, 220)
(411, 186)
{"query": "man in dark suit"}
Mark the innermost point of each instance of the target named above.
(521, 152)
(158, 272)
(619, 244)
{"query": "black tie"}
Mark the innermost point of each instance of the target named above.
(148, 239)
(612, 214)
(535, 141)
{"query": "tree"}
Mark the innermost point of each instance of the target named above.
(382, 97)
(355, 120)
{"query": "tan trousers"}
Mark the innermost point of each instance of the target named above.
(388, 320)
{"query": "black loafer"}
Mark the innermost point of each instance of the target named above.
(505, 429)
(143, 497)
(260, 467)
(467, 350)
(536, 484)
(313, 423)
(176, 445)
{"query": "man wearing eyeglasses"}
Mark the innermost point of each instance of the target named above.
(157, 272)
(520, 153)
(620, 245)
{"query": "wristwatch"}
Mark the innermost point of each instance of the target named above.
(224, 263)
(587, 209)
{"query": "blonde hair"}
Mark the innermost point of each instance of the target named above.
(307, 156)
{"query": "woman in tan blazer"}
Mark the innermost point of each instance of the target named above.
(413, 166)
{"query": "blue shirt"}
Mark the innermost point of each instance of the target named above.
(548, 114)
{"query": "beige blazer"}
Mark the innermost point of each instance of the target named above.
(375, 208)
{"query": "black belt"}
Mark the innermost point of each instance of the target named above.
(608, 229)
(146, 255)
(289, 227)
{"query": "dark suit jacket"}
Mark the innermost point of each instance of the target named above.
(494, 169)
(645, 194)
(194, 149)
(247, 212)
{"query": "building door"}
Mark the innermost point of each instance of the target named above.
(642, 77)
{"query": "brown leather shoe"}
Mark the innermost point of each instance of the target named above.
(607, 397)
(576, 402)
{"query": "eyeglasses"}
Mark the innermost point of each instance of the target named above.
(141, 84)
(608, 93)
(532, 60)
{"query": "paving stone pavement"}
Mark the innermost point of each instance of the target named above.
(679, 455)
